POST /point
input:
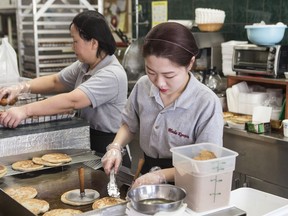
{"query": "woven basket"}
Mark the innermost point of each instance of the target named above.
(210, 27)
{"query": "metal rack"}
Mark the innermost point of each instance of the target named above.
(44, 41)
(30, 98)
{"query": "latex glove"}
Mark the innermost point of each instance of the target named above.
(112, 158)
(156, 177)
(14, 90)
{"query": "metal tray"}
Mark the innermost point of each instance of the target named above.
(77, 155)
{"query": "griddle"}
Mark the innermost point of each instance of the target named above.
(51, 183)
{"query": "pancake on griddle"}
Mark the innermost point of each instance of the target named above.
(3, 170)
(20, 193)
(36, 206)
(105, 202)
(62, 212)
(39, 160)
(56, 158)
(26, 165)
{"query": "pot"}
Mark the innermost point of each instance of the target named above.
(150, 199)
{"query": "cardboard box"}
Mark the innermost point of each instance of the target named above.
(258, 128)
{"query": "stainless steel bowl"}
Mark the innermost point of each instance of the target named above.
(150, 199)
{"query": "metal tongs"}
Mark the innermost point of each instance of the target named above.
(112, 187)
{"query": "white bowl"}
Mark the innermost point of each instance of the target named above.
(286, 75)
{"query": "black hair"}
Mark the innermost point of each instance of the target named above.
(93, 25)
(171, 40)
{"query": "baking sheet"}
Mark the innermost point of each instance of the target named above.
(77, 155)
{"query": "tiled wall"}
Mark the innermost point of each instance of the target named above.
(238, 14)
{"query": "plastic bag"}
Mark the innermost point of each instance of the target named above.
(8, 62)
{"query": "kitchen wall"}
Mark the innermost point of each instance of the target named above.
(238, 14)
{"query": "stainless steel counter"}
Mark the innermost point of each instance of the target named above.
(70, 133)
(262, 160)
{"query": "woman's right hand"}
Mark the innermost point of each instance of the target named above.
(12, 117)
(14, 90)
(112, 159)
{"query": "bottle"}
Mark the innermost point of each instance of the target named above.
(214, 80)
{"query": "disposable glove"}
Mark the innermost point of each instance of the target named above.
(14, 90)
(154, 177)
(112, 158)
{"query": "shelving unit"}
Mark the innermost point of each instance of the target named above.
(268, 82)
(44, 41)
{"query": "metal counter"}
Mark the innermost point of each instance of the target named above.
(262, 160)
(63, 134)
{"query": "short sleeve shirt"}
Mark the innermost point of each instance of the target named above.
(195, 117)
(106, 86)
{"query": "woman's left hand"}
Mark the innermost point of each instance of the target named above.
(156, 177)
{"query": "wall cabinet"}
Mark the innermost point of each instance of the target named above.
(44, 41)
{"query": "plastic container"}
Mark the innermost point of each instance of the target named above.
(248, 101)
(208, 182)
(265, 34)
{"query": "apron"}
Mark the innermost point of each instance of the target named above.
(152, 162)
(100, 140)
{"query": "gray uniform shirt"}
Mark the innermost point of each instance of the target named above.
(106, 86)
(195, 117)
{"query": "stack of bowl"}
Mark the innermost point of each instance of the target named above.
(209, 20)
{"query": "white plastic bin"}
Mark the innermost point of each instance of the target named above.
(208, 182)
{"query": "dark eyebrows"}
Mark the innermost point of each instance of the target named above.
(168, 72)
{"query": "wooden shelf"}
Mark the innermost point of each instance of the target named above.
(267, 82)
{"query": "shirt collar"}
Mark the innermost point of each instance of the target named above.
(184, 100)
(106, 61)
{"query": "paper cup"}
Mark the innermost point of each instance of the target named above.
(285, 127)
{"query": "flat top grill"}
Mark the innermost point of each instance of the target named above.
(52, 183)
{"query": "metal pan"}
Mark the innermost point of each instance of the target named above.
(150, 199)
